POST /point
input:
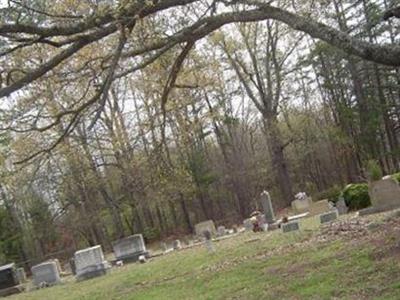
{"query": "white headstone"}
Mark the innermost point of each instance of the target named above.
(90, 262)
(177, 245)
(46, 273)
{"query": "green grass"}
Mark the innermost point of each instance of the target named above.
(274, 266)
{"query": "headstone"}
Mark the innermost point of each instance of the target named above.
(90, 263)
(248, 224)
(221, 230)
(46, 273)
(9, 283)
(341, 206)
(177, 245)
(206, 225)
(164, 247)
(208, 241)
(264, 227)
(319, 207)
(267, 207)
(329, 216)
(301, 204)
(291, 226)
(385, 193)
(21, 275)
(130, 248)
(57, 262)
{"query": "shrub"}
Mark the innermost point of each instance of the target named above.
(151, 233)
(396, 176)
(374, 170)
(356, 196)
(332, 194)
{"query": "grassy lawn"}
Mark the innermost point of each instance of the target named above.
(258, 266)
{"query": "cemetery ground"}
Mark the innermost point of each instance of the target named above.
(351, 258)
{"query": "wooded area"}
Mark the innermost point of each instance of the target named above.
(122, 117)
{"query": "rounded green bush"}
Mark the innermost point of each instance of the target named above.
(356, 196)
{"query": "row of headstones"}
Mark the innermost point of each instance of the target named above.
(86, 263)
(324, 218)
(268, 218)
(201, 230)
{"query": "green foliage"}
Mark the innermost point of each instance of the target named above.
(332, 194)
(10, 241)
(374, 170)
(356, 196)
(151, 233)
(42, 222)
(396, 176)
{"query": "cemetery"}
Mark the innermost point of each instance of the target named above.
(199, 149)
(317, 234)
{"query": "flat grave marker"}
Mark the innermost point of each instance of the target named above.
(291, 226)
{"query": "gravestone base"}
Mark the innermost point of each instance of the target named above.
(11, 290)
(93, 271)
(134, 257)
(376, 210)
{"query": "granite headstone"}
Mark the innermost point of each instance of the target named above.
(130, 248)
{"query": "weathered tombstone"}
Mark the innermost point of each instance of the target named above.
(21, 275)
(130, 248)
(248, 224)
(58, 265)
(319, 207)
(206, 225)
(90, 263)
(302, 203)
(9, 283)
(291, 226)
(208, 241)
(164, 247)
(341, 206)
(221, 230)
(264, 227)
(385, 193)
(177, 245)
(46, 273)
(329, 216)
(267, 207)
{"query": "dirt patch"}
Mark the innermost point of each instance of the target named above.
(348, 229)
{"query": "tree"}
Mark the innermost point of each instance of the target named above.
(58, 40)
